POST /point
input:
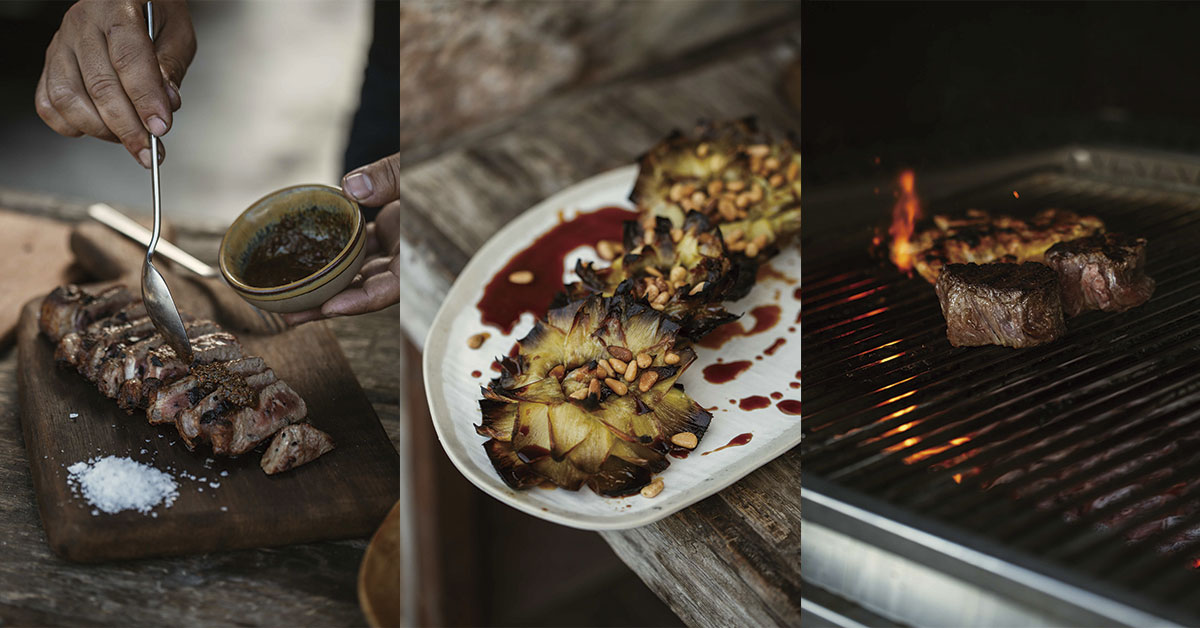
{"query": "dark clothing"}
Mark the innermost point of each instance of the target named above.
(375, 132)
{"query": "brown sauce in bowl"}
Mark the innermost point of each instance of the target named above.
(295, 247)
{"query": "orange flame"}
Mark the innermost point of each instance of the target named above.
(905, 214)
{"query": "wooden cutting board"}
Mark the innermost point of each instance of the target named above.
(36, 255)
(343, 494)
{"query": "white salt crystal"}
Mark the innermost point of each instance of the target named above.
(201, 489)
(214, 484)
(224, 508)
(73, 415)
(224, 474)
(113, 484)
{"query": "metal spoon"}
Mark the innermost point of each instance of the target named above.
(159, 305)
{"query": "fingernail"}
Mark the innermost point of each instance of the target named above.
(156, 126)
(358, 184)
(173, 96)
(144, 157)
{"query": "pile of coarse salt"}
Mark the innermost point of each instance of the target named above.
(113, 484)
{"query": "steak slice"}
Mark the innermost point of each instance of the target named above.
(136, 362)
(1014, 305)
(110, 345)
(293, 446)
(70, 308)
(278, 406)
(197, 422)
(186, 392)
(164, 367)
(1102, 272)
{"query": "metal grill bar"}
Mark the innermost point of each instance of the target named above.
(1078, 453)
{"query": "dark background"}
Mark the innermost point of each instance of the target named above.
(935, 84)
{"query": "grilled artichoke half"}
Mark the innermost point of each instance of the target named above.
(735, 175)
(685, 273)
(561, 414)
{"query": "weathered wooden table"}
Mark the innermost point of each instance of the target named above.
(311, 584)
(734, 558)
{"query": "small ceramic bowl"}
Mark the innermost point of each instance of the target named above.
(313, 290)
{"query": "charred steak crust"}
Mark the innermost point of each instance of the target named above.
(1102, 272)
(1014, 305)
(233, 401)
(982, 237)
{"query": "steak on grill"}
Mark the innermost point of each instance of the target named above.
(222, 397)
(1014, 305)
(1102, 272)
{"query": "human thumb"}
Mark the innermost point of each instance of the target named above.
(375, 184)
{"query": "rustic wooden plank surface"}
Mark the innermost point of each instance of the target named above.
(733, 559)
(308, 584)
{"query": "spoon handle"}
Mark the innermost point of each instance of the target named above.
(153, 159)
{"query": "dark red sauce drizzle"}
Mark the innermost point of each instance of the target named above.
(754, 402)
(777, 395)
(503, 302)
(726, 371)
(766, 271)
(736, 441)
(765, 317)
(779, 342)
(476, 373)
(789, 406)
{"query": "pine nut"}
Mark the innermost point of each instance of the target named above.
(736, 186)
(715, 187)
(558, 372)
(521, 277)
(771, 163)
(696, 289)
(647, 380)
(604, 249)
(678, 273)
(793, 170)
(686, 440)
(580, 394)
(617, 386)
(652, 489)
(776, 180)
(751, 250)
(650, 270)
(676, 234)
(617, 365)
(734, 235)
(594, 387)
(671, 358)
(702, 150)
(676, 193)
(651, 292)
(758, 150)
(621, 353)
(644, 360)
(476, 341)
(631, 372)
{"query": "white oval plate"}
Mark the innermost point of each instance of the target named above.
(454, 395)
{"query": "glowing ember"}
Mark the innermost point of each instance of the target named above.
(905, 214)
(1015, 195)
(958, 478)
(1196, 563)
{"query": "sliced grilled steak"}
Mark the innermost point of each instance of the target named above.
(1014, 305)
(278, 406)
(69, 309)
(196, 422)
(222, 397)
(163, 367)
(293, 446)
(114, 374)
(1102, 272)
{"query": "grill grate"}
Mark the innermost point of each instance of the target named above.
(1082, 452)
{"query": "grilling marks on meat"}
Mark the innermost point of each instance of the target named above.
(1015, 305)
(1103, 272)
(225, 398)
(981, 237)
